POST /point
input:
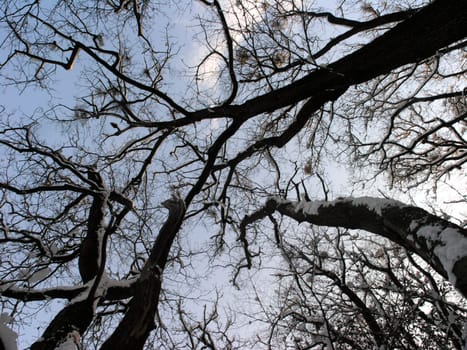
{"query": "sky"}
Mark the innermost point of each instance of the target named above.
(67, 85)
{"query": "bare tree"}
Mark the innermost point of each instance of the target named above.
(274, 90)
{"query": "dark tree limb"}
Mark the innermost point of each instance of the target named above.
(91, 246)
(76, 316)
(138, 321)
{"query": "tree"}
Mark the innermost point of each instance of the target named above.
(244, 130)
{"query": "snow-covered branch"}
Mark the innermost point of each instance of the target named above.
(441, 243)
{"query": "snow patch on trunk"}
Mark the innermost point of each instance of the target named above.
(309, 207)
(7, 336)
(450, 246)
(71, 342)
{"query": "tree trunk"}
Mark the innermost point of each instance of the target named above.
(73, 317)
(138, 321)
(88, 261)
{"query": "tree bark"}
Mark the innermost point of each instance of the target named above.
(73, 317)
(138, 321)
(440, 243)
(90, 249)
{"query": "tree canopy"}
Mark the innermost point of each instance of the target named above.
(233, 174)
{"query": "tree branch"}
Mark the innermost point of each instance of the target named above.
(440, 243)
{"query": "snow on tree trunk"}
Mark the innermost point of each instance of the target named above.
(441, 243)
(7, 335)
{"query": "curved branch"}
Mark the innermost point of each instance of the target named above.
(230, 61)
(362, 26)
(440, 243)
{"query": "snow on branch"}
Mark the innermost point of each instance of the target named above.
(441, 243)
